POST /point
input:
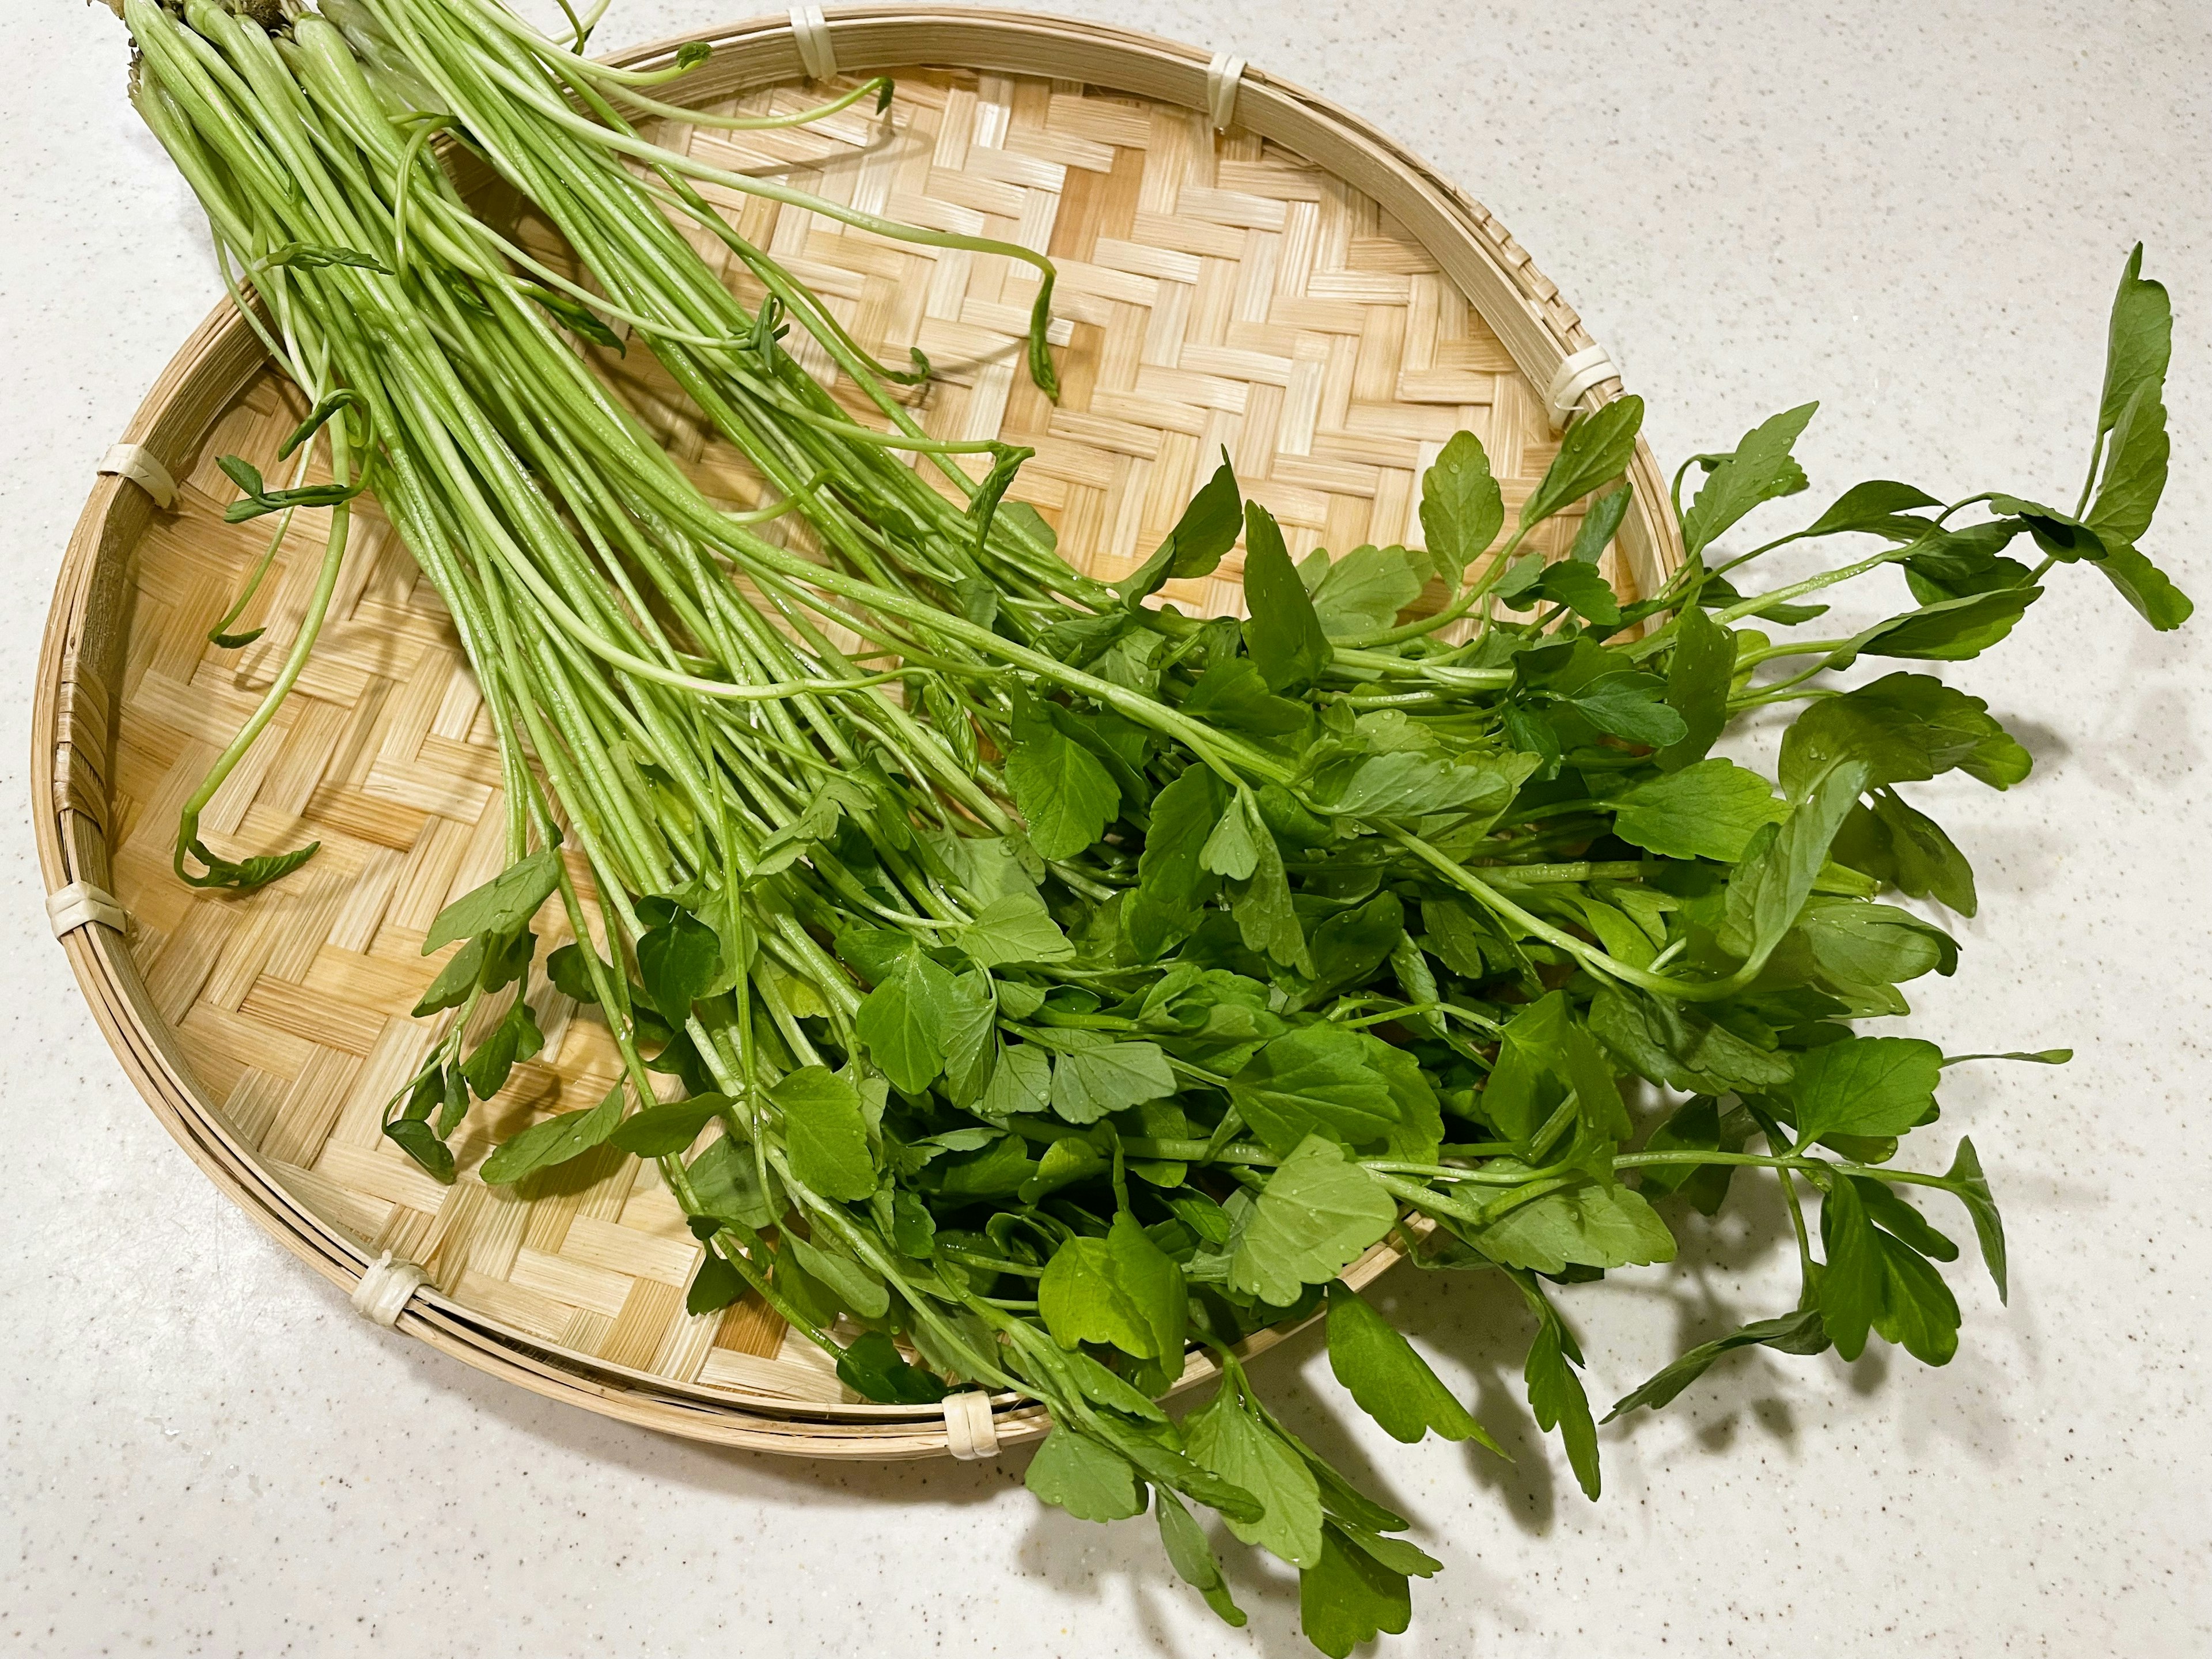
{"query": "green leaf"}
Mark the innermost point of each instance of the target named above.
(1580, 588)
(1283, 635)
(1232, 849)
(1631, 706)
(1698, 674)
(1192, 1557)
(714, 1286)
(1972, 1188)
(1858, 944)
(1348, 1597)
(1350, 945)
(1090, 1082)
(1091, 1481)
(515, 1038)
(1697, 1126)
(1556, 1399)
(1875, 507)
(1676, 1046)
(571, 976)
(1865, 1086)
(2146, 587)
(1895, 843)
(1770, 886)
(983, 506)
(854, 1286)
(1390, 1380)
(660, 1131)
(1798, 1333)
(455, 980)
(1231, 694)
(1597, 447)
(1600, 524)
(555, 1140)
(1065, 794)
(1013, 928)
(1364, 592)
(1172, 881)
(1064, 1163)
(308, 255)
(1530, 1051)
(1082, 1298)
(906, 1020)
(1918, 1312)
(1226, 1437)
(1759, 471)
(1851, 1283)
(1398, 1555)
(1905, 727)
(1314, 1080)
(1409, 784)
(1153, 1280)
(825, 1134)
(1886, 1206)
(578, 319)
(726, 1181)
(1950, 630)
(1592, 1225)
(501, 905)
(1461, 509)
(2135, 470)
(1708, 810)
(1021, 1082)
(1267, 920)
(1315, 1216)
(420, 1142)
(678, 961)
(874, 1368)
(1206, 530)
(2139, 342)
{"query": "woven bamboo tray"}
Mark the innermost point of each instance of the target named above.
(1295, 289)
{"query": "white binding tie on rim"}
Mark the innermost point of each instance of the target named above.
(810, 30)
(970, 1431)
(136, 462)
(80, 904)
(1223, 76)
(384, 1288)
(1585, 369)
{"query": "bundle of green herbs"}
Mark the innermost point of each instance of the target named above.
(1065, 982)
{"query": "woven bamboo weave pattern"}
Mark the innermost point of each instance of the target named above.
(1216, 293)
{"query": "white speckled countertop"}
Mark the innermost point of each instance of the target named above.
(1915, 212)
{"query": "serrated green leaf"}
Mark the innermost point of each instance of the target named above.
(1091, 1481)
(1708, 810)
(1283, 633)
(1090, 1082)
(904, 1022)
(1228, 1439)
(1317, 1080)
(1065, 794)
(1760, 470)
(1461, 509)
(1598, 447)
(555, 1140)
(825, 1134)
(501, 905)
(1315, 1216)
(1390, 1380)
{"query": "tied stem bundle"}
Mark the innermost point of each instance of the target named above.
(1055, 980)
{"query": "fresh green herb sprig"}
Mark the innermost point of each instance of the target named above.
(1061, 984)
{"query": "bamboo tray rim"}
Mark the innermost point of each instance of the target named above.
(1536, 327)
